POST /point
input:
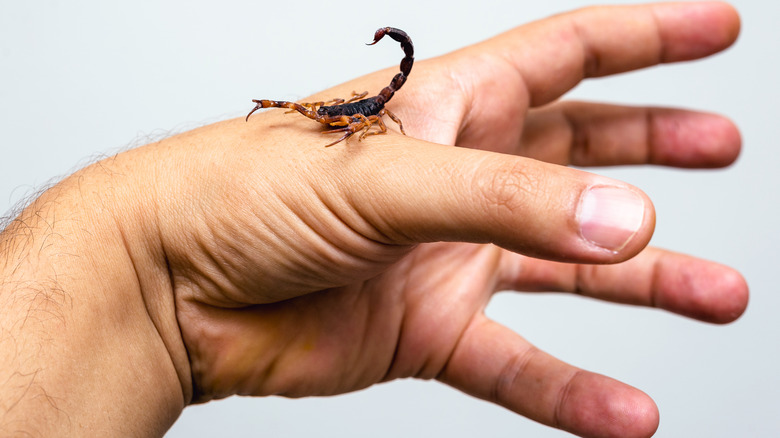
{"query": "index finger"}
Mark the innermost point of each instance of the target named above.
(553, 55)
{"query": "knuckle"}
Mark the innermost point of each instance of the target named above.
(506, 187)
(511, 376)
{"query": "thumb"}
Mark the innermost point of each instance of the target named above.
(440, 193)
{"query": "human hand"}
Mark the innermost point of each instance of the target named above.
(366, 315)
(272, 265)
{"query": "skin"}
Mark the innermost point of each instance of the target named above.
(246, 258)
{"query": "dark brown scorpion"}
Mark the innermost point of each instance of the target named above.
(355, 115)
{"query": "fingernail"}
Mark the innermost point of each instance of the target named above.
(610, 216)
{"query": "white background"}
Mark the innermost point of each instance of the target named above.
(82, 79)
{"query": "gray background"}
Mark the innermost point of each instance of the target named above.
(82, 79)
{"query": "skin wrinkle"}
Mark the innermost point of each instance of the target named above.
(327, 252)
(365, 338)
(351, 248)
(562, 399)
(378, 229)
(458, 341)
(410, 320)
(591, 61)
(580, 280)
(193, 355)
(499, 189)
(159, 305)
(662, 53)
(185, 384)
(586, 275)
(270, 369)
(580, 138)
(391, 366)
(196, 365)
(655, 292)
(511, 373)
(435, 367)
(187, 381)
(226, 257)
(207, 281)
(467, 91)
(469, 120)
(466, 94)
(371, 236)
(419, 371)
(405, 276)
(543, 90)
(649, 126)
(480, 311)
(373, 307)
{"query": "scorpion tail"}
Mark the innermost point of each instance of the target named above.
(406, 63)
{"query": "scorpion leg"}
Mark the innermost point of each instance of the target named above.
(379, 123)
(394, 118)
(356, 96)
(352, 127)
(336, 101)
(366, 123)
(346, 125)
(339, 101)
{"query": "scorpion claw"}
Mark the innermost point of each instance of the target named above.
(257, 107)
(250, 113)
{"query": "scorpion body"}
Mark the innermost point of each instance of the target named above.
(358, 113)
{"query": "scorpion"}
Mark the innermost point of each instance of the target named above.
(356, 114)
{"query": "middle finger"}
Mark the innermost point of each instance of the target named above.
(589, 134)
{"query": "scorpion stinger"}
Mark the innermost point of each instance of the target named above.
(354, 115)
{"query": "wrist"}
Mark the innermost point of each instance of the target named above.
(83, 346)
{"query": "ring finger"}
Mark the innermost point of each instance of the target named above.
(679, 283)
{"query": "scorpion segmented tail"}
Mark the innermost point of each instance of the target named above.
(406, 63)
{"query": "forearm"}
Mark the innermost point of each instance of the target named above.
(80, 350)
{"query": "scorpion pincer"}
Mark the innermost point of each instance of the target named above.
(358, 113)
